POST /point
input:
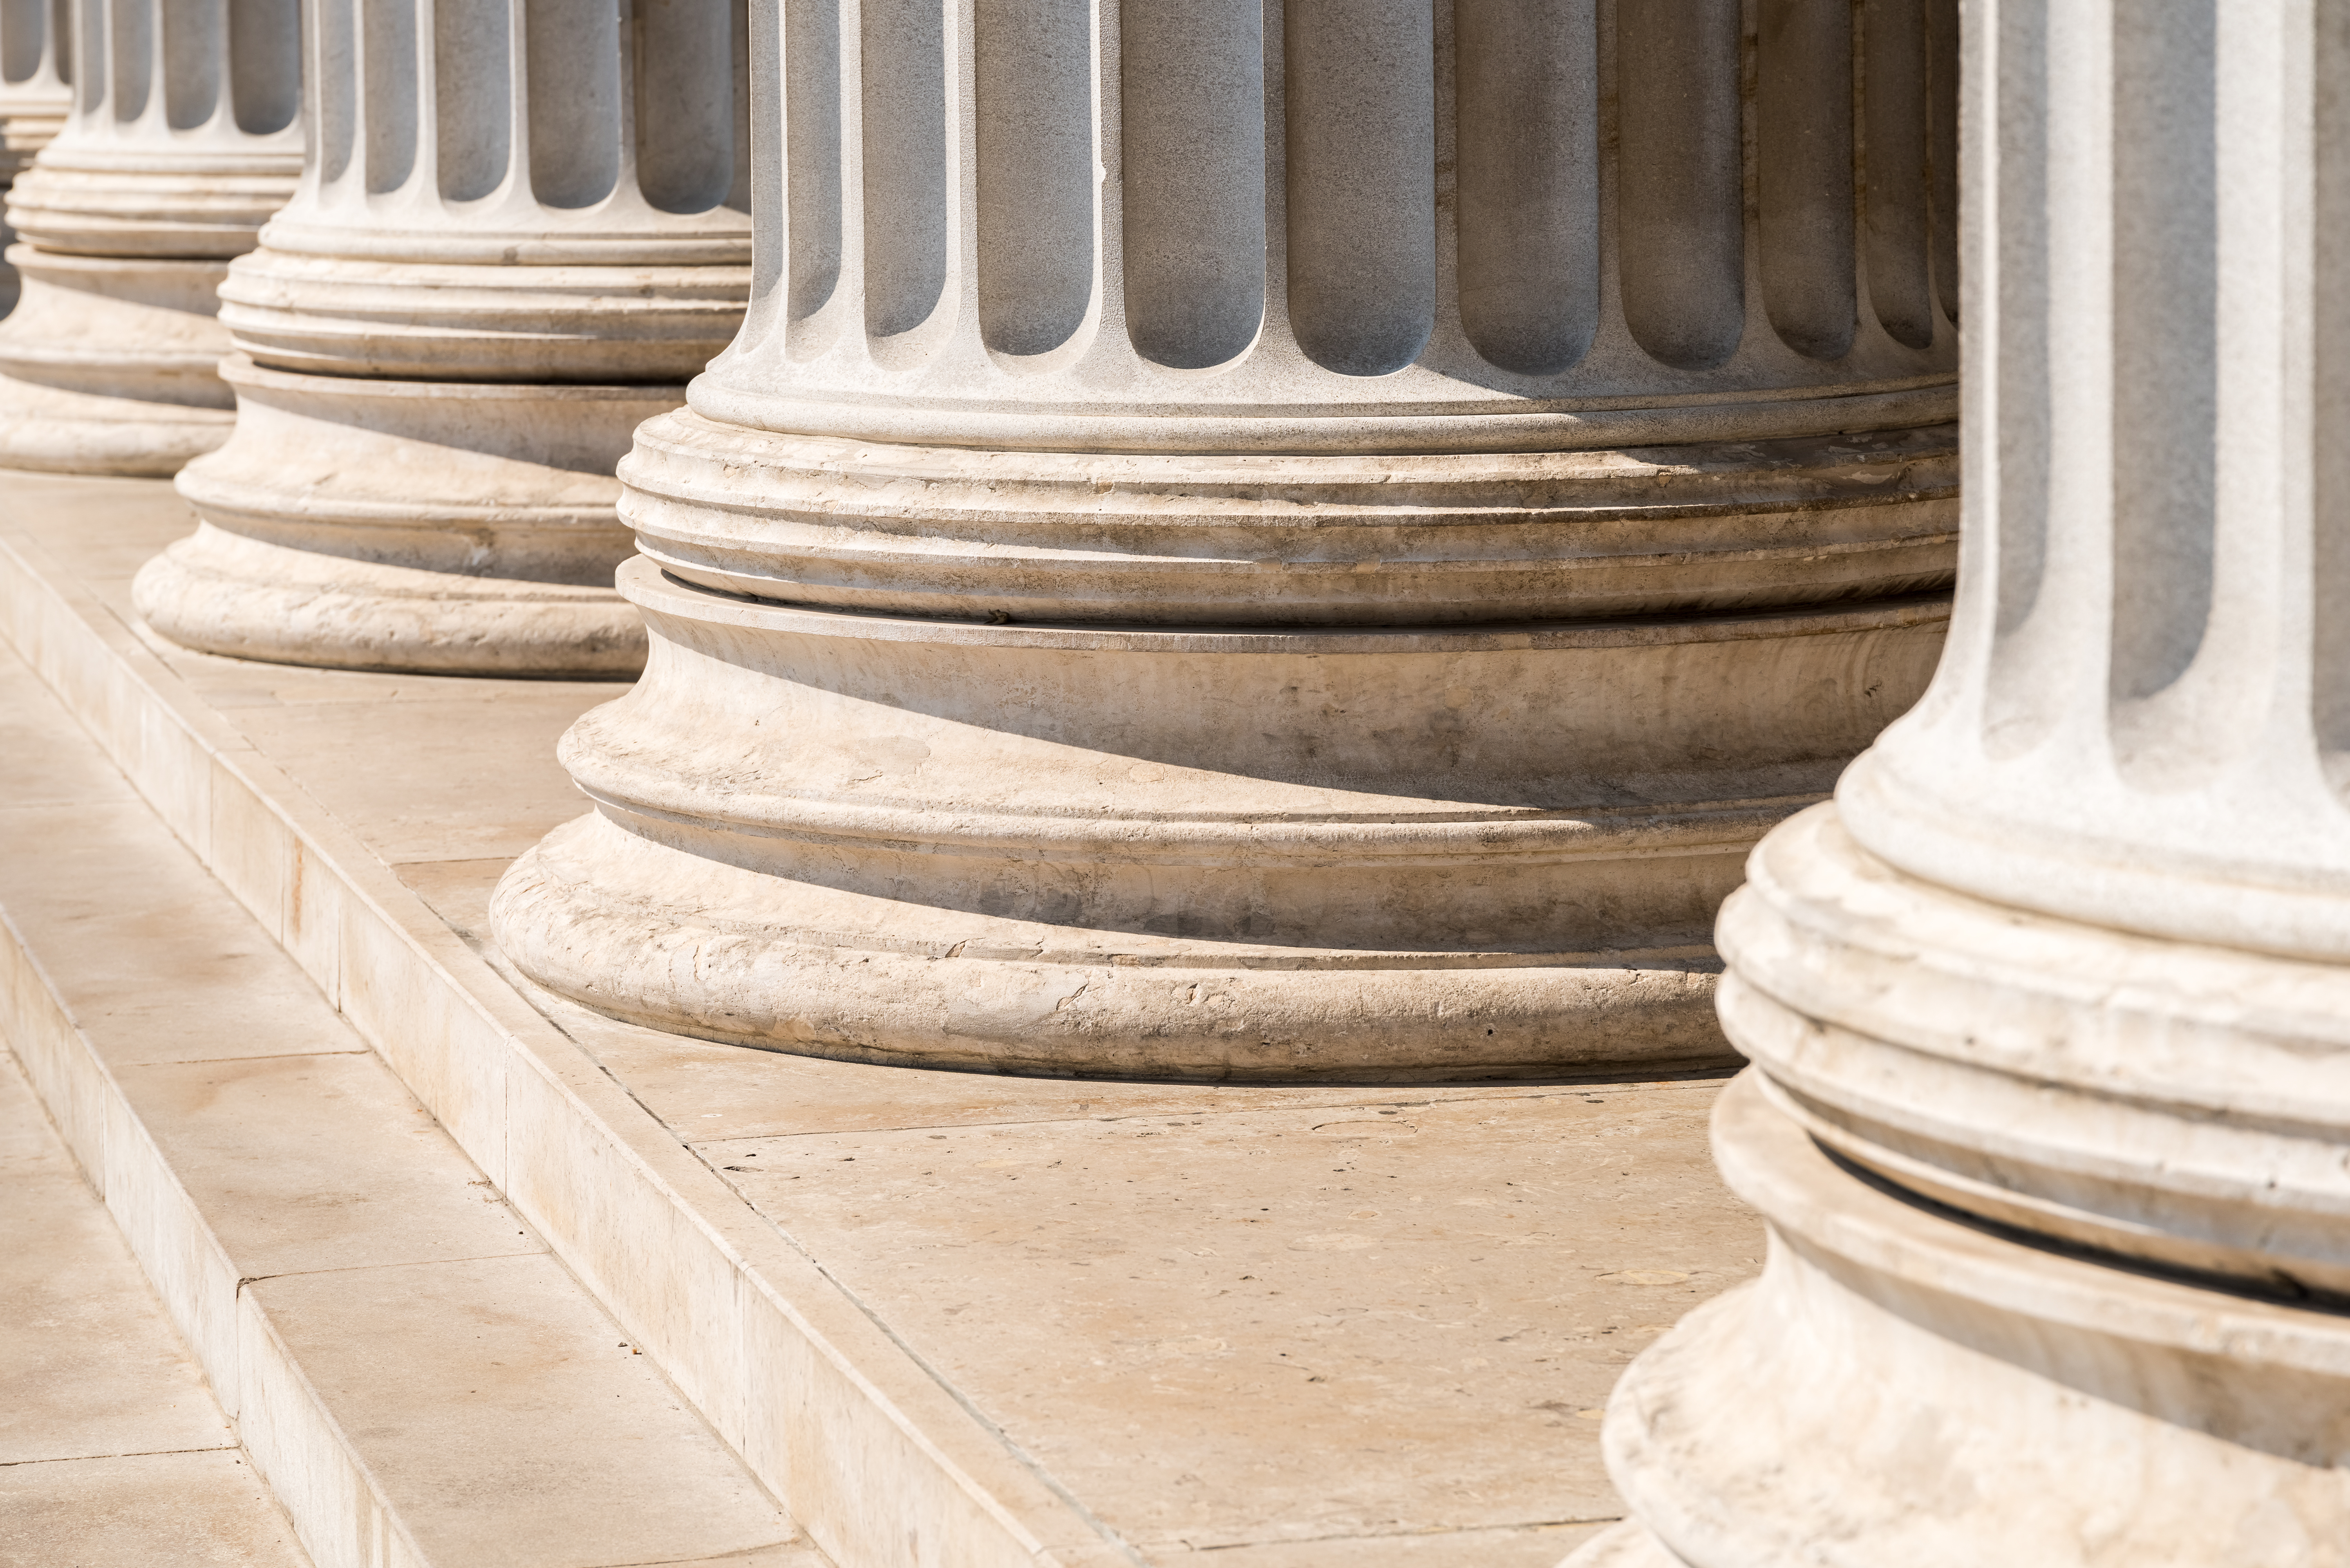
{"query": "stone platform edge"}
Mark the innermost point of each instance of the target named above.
(295, 1445)
(869, 1451)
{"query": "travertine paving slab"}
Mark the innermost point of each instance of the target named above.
(109, 526)
(530, 1411)
(35, 773)
(304, 1164)
(90, 1364)
(1283, 1323)
(203, 1509)
(407, 1367)
(1538, 1546)
(168, 989)
(471, 778)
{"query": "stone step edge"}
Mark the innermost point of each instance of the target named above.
(293, 1441)
(867, 1449)
(221, 1250)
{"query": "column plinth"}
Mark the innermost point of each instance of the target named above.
(2049, 1108)
(181, 141)
(521, 233)
(1274, 608)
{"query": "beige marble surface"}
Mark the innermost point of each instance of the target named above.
(113, 1453)
(402, 1366)
(1299, 1326)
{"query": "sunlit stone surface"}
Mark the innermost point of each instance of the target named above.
(523, 227)
(182, 137)
(2051, 1011)
(1239, 553)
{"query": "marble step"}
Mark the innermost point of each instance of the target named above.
(113, 1452)
(951, 1320)
(403, 1361)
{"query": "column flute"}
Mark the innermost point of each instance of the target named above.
(183, 136)
(522, 227)
(1268, 540)
(2050, 1013)
(36, 91)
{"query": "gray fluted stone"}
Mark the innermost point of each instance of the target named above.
(183, 135)
(523, 226)
(1266, 542)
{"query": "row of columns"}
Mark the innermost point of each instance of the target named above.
(36, 91)
(182, 137)
(519, 229)
(1271, 541)
(1290, 538)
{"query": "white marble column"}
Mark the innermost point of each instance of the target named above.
(1269, 540)
(36, 91)
(183, 136)
(2051, 1011)
(523, 226)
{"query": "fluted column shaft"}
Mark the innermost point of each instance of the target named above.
(36, 78)
(182, 137)
(36, 91)
(1210, 483)
(522, 227)
(2071, 953)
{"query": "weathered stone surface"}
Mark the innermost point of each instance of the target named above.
(1340, 602)
(182, 137)
(813, 1321)
(521, 232)
(2050, 1109)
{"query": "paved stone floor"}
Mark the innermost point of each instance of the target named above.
(1296, 1327)
(113, 1453)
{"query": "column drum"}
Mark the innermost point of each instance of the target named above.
(1247, 540)
(183, 135)
(524, 226)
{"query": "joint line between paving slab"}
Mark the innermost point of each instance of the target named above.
(233, 1061)
(541, 1250)
(1402, 1534)
(703, 1562)
(237, 1449)
(1551, 1091)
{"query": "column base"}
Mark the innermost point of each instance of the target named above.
(61, 431)
(659, 936)
(24, 132)
(1905, 1388)
(1384, 852)
(248, 599)
(450, 527)
(107, 365)
(2180, 1104)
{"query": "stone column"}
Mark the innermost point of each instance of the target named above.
(2050, 1011)
(35, 94)
(1269, 540)
(182, 137)
(523, 226)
